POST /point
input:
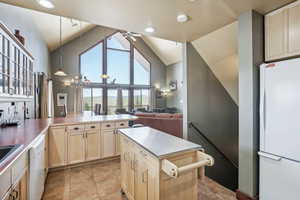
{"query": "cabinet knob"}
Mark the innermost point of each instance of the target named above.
(108, 125)
(93, 126)
(76, 128)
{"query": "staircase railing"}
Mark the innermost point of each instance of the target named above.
(192, 125)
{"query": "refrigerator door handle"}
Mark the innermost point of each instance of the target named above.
(270, 156)
(262, 109)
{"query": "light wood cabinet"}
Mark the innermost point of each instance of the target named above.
(76, 147)
(276, 35)
(294, 30)
(13, 181)
(57, 146)
(282, 32)
(93, 145)
(79, 143)
(108, 143)
(84, 143)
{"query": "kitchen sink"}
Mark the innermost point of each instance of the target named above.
(6, 151)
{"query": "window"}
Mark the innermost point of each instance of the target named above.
(111, 101)
(87, 99)
(141, 69)
(118, 66)
(129, 76)
(125, 99)
(141, 98)
(117, 41)
(91, 63)
(91, 96)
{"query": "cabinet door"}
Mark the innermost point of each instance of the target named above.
(141, 179)
(76, 147)
(294, 30)
(117, 144)
(57, 147)
(124, 164)
(130, 176)
(92, 145)
(276, 27)
(108, 143)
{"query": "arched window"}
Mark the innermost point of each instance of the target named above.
(128, 84)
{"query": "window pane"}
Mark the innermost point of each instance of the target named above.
(141, 69)
(87, 99)
(97, 97)
(118, 63)
(118, 41)
(111, 101)
(141, 98)
(125, 99)
(91, 64)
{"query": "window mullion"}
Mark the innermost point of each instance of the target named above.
(131, 101)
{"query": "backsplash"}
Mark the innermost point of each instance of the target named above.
(18, 108)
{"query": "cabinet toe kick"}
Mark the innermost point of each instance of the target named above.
(174, 171)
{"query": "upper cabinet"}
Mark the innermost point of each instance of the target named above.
(16, 67)
(282, 33)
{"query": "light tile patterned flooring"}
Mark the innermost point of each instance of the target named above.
(102, 182)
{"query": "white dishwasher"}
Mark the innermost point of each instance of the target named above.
(37, 169)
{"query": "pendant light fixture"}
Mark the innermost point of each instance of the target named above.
(60, 72)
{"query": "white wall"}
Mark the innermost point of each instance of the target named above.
(20, 18)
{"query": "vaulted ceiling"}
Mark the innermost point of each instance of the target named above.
(134, 15)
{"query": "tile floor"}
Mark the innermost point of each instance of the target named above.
(102, 182)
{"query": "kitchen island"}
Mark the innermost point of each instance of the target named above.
(158, 166)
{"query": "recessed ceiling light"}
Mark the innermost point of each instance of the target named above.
(46, 3)
(181, 18)
(150, 29)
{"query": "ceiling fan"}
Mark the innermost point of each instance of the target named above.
(131, 35)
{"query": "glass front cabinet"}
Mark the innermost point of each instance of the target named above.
(16, 67)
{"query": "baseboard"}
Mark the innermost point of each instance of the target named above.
(242, 196)
(102, 160)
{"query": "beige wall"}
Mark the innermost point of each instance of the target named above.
(219, 50)
(174, 73)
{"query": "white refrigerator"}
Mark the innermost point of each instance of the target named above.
(279, 154)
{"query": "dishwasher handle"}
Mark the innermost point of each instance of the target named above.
(173, 171)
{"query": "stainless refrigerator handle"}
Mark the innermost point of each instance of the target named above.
(272, 157)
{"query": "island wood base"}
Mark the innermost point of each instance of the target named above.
(147, 177)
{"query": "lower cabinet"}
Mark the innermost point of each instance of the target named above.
(141, 179)
(92, 145)
(108, 143)
(81, 142)
(57, 147)
(15, 188)
(137, 176)
(76, 147)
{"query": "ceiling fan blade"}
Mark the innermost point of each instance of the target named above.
(133, 38)
(136, 34)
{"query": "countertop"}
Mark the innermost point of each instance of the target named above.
(88, 118)
(158, 143)
(26, 133)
